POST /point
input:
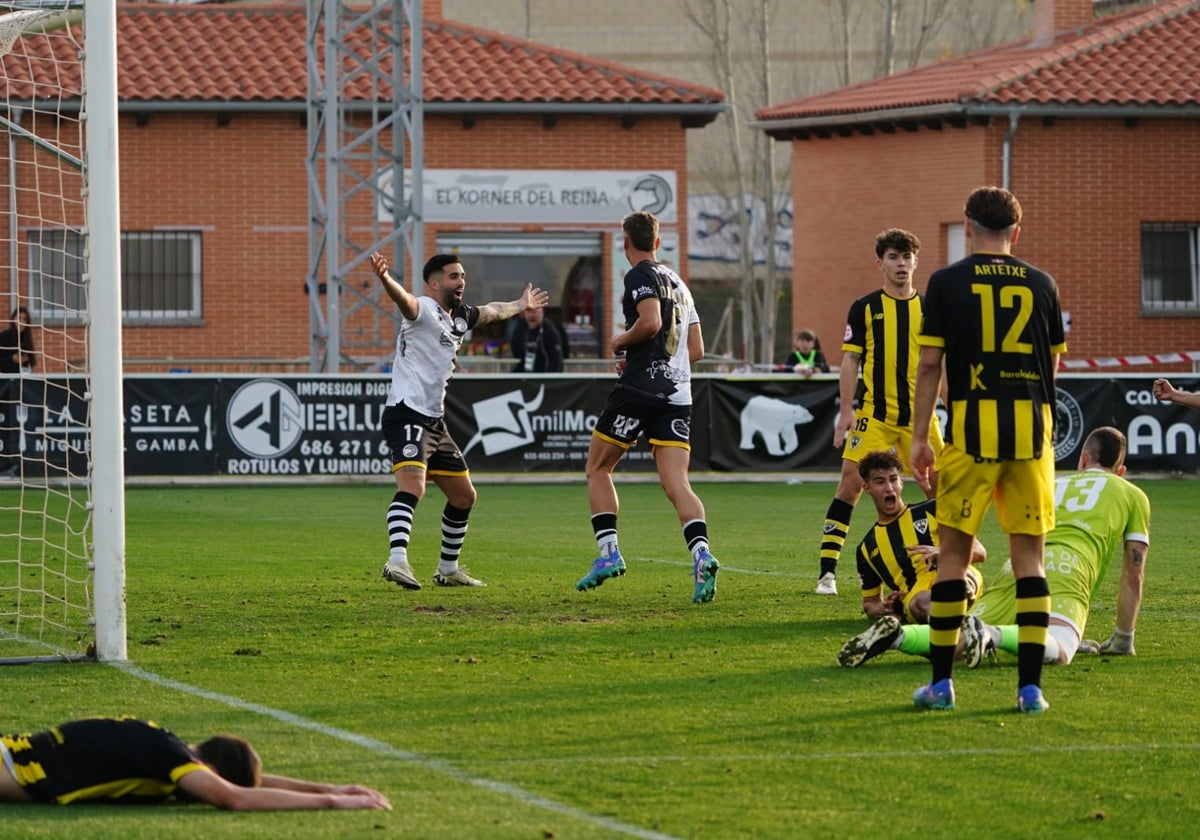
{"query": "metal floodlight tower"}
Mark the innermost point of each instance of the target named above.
(365, 110)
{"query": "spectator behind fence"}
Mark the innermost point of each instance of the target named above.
(537, 343)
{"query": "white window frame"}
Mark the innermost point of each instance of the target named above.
(1151, 286)
(49, 292)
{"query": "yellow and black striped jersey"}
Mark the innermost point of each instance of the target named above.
(999, 321)
(882, 559)
(883, 331)
(101, 759)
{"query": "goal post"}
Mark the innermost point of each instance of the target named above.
(62, 504)
(104, 301)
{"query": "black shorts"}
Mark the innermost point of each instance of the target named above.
(628, 413)
(419, 441)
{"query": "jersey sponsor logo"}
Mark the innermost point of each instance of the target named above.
(1068, 424)
(681, 428)
(976, 382)
(265, 418)
(667, 371)
(625, 426)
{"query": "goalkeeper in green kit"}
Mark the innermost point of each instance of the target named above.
(1097, 514)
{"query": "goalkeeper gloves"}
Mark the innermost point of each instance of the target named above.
(1120, 643)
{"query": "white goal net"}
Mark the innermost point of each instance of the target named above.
(57, 580)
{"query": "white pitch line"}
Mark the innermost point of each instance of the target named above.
(388, 750)
(849, 756)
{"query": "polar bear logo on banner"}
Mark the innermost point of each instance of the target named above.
(775, 421)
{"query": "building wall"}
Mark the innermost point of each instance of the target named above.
(1085, 187)
(847, 190)
(244, 187)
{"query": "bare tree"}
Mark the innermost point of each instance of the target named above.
(752, 189)
(887, 51)
(742, 169)
(841, 28)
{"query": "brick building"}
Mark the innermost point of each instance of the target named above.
(212, 101)
(1093, 123)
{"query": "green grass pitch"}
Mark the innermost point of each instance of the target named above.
(530, 710)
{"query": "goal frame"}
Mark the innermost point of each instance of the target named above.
(102, 601)
(103, 267)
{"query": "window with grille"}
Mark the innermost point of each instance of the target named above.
(1170, 261)
(160, 274)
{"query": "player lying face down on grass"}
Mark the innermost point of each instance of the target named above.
(137, 761)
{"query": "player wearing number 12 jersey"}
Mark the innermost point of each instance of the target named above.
(661, 339)
(997, 323)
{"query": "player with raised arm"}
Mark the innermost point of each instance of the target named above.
(661, 340)
(137, 761)
(881, 338)
(997, 323)
(414, 422)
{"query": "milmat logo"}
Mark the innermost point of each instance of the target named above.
(265, 418)
(503, 422)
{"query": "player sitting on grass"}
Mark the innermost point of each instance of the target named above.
(900, 551)
(1097, 511)
(130, 760)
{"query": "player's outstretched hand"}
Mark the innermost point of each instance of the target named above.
(534, 298)
(379, 264)
(357, 797)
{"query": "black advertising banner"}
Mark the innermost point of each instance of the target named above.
(295, 426)
(171, 426)
(1162, 437)
(764, 425)
(45, 419)
(183, 425)
(531, 424)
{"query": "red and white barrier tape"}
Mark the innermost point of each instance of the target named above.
(1130, 361)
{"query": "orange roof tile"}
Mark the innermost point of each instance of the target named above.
(1145, 57)
(229, 54)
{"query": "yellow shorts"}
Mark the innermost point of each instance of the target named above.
(1023, 492)
(871, 435)
(925, 582)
